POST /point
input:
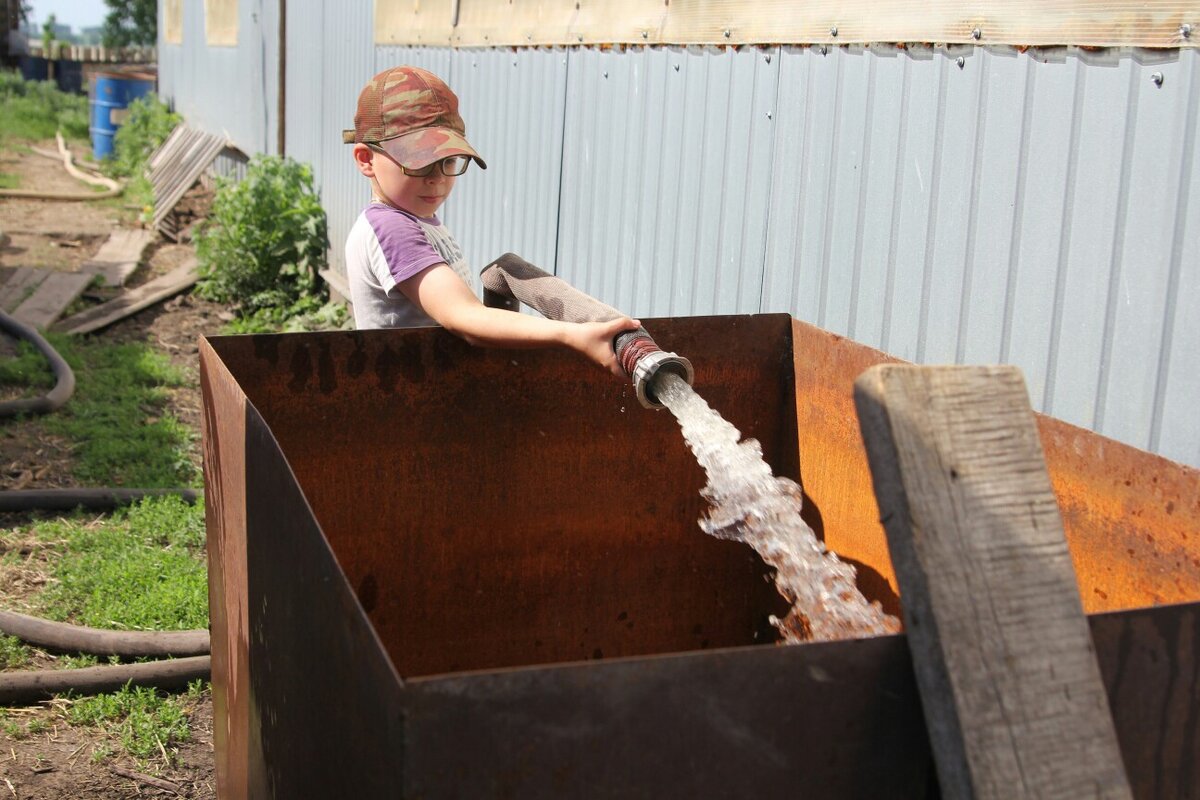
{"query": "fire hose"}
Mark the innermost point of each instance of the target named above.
(510, 280)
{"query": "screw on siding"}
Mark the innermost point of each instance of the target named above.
(768, 115)
(1185, 30)
(962, 62)
(767, 58)
(976, 34)
(1157, 78)
(677, 68)
(728, 33)
(606, 75)
(824, 50)
(645, 34)
(833, 31)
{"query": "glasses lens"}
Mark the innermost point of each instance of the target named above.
(455, 165)
(421, 172)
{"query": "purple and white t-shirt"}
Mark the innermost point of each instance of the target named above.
(387, 246)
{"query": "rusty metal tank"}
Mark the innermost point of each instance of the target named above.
(444, 571)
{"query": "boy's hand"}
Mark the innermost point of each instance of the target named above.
(595, 340)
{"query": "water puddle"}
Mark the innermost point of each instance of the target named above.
(751, 505)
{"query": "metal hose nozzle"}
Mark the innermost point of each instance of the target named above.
(642, 360)
(511, 280)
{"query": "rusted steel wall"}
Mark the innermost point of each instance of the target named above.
(1132, 519)
(438, 569)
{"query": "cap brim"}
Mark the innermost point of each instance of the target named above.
(424, 147)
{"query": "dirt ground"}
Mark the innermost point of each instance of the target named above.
(57, 762)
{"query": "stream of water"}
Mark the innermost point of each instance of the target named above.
(751, 505)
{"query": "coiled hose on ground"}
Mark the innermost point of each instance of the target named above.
(33, 685)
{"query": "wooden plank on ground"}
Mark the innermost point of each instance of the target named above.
(51, 298)
(120, 255)
(1012, 693)
(132, 301)
(19, 286)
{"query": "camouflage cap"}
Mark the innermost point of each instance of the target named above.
(412, 114)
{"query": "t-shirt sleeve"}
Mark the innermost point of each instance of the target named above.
(403, 246)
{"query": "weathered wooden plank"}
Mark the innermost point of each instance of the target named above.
(51, 298)
(1004, 659)
(524, 23)
(20, 285)
(132, 301)
(120, 255)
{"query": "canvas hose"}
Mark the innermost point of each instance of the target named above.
(511, 280)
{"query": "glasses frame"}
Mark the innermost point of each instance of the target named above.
(426, 171)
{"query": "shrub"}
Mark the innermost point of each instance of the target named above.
(148, 125)
(34, 110)
(265, 239)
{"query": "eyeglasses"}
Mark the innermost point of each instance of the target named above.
(452, 166)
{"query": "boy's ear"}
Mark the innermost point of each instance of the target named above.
(363, 159)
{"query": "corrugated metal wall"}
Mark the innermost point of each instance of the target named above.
(967, 205)
(230, 90)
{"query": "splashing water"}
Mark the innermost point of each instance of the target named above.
(751, 505)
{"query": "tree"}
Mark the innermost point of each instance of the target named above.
(130, 22)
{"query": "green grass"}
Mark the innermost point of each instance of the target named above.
(9, 181)
(35, 110)
(145, 721)
(142, 569)
(13, 654)
(117, 418)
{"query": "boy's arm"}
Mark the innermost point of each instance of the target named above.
(445, 297)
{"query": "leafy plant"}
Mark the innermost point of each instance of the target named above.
(34, 110)
(264, 241)
(148, 125)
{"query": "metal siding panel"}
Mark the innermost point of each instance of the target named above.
(347, 63)
(953, 183)
(512, 103)
(822, 141)
(705, 181)
(918, 196)
(1043, 217)
(305, 93)
(1177, 432)
(847, 190)
(1143, 252)
(1095, 218)
(873, 258)
(998, 168)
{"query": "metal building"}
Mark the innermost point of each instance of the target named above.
(949, 184)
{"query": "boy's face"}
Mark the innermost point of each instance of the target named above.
(421, 196)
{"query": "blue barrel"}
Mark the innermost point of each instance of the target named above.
(112, 93)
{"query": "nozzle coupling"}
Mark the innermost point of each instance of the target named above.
(642, 360)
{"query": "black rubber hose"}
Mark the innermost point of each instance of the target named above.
(63, 638)
(89, 499)
(33, 685)
(64, 385)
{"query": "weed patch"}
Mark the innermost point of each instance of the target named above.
(117, 417)
(142, 569)
(35, 110)
(145, 721)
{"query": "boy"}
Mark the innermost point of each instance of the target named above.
(404, 267)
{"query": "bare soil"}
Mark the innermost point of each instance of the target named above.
(58, 760)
